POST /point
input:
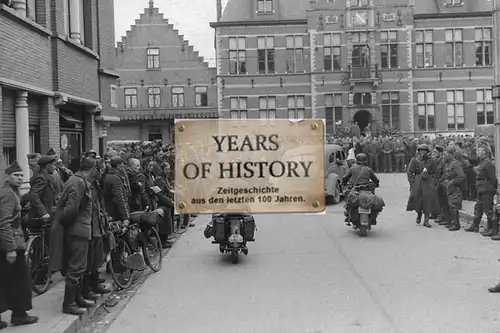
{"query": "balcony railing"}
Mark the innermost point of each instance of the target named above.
(368, 73)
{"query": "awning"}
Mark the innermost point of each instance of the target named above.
(69, 118)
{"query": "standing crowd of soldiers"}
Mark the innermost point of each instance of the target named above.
(78, 205)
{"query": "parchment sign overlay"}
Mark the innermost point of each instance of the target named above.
(255, 166)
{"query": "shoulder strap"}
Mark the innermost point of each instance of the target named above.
(359, 175)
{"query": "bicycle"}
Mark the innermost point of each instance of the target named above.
(37, 256)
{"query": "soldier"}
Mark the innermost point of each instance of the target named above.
(373, 154)
(443, 201)
(387, 148)
(486, 184)
(452, 184)
(399, 155)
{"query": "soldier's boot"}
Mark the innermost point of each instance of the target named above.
(456, 221)
(69, 305)
(496, 231)
(488, 231)
(96, 286)
(495, 289)
(82, 302)
(87, 291)
(474, 226)
(426, 222)
(419, 218)
(439, 218)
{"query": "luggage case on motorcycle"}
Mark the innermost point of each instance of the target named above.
(248, 228)
(219, 229)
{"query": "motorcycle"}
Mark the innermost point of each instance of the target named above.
(362, 216)
(232, 232)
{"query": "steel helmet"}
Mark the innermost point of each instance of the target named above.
(362, 158)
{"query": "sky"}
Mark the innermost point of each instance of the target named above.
(190, 17)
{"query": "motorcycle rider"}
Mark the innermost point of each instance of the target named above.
(361, 175)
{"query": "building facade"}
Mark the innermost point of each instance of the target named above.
(162, 78)
(421, 66)
(56, 63)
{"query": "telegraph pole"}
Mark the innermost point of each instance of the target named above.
(496, 87)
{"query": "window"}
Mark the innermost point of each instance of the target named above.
(333, 110)
(454, 3)
(360, 54)
(112, 97)
(237, 56)
(265, 6)
(153, 58)
(389, 49)
(485, 113)
(265, 53)
(178, 97)
(426, 111)
(155, 133)
(331, 51)
(359, 3)
(201, 96)
(484, 52)
(267, 107)
(296, 107)
(238, 108)
(455, 108)
(130, 98)
(154, 97)
(362, 99)
(454, 48)
(31, 9)
(294, 54)
(424, 48)
(9, 156)
(390, 109)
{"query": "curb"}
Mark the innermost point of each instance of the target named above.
(74, 324)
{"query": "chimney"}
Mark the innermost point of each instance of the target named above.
(219, 9)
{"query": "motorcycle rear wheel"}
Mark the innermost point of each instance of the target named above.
(363, 231)
(234, 257)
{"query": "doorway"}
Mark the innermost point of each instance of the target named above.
(363, 118)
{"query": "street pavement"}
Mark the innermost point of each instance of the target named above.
(312, 274)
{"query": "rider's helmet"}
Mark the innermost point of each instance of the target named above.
(361, 158)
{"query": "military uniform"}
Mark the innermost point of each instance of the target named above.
(373, 155)
(486, 184)
(387, 148)
(454, 177)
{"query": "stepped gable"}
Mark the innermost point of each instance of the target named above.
(245, 10)
(152, 15)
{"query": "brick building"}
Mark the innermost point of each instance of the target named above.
(421, 66)
(162, 78)
(56, 60)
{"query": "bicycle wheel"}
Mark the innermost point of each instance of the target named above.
(122, 276)
(38, 264)
(152, 250)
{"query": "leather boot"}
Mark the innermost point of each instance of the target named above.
(474, 226)
(495, 289)
(439, 218)
(419, 219)
(87, 292)
(426, 222)
(97, 287)
(488, 231)
(80, 301)
(496, 231)
(69, 305)
(456, 221)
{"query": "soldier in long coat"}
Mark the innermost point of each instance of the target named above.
(15, 280)
(422, 176)
(453, 180)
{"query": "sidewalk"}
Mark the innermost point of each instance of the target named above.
(467, 214)
(48, 307)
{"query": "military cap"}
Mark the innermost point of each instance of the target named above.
(46, 160)
(14, 167)
(87, 163)
(51, 152)
(116, 160)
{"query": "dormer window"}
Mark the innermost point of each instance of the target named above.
(454, 3)
(265, 6)
(359, 3)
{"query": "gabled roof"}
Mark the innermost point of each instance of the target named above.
(245, 10)
(439, 7)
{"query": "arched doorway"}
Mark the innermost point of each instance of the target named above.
(363, 118)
